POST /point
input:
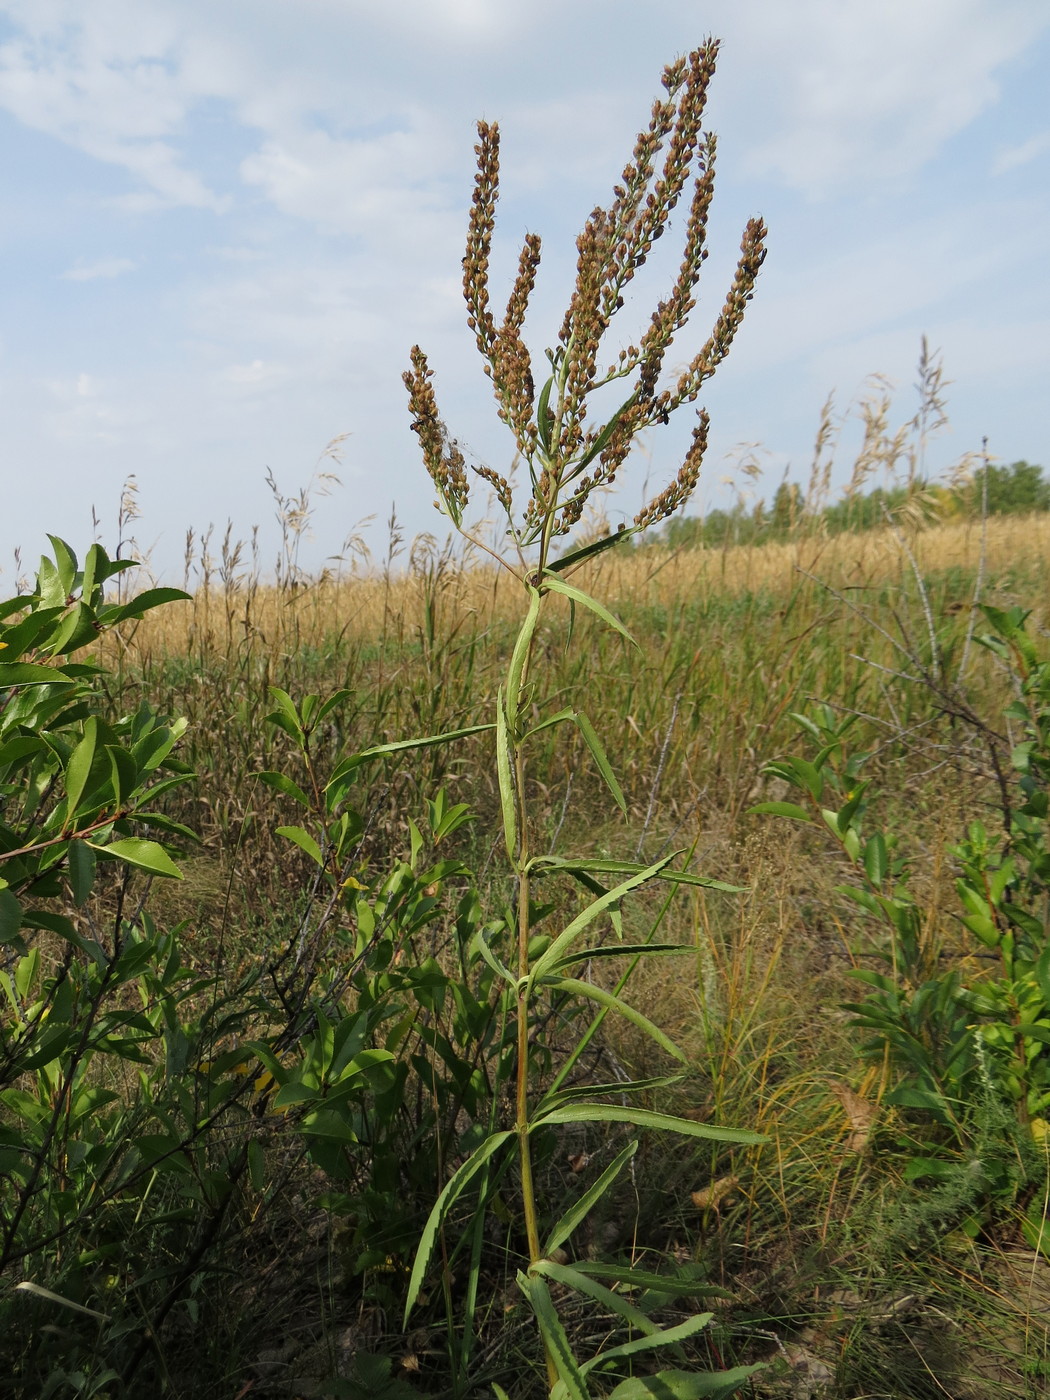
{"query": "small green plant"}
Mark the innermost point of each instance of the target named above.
(971, 1037)
(572, 456)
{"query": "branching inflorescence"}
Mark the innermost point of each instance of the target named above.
(568, 457)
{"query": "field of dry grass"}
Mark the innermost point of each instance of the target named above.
(811, 1237)
(817, 1251)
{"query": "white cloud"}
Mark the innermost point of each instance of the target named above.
(104, 269)
(255, 374)
(385, 185)
(857, 94)
(1016, 156)
(110, 92)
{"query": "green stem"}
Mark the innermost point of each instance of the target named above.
(517, 677)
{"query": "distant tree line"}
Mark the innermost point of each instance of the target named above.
(1017, 489)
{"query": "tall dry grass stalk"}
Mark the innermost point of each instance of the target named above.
(243, 613)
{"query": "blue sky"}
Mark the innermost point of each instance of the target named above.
(225, 224)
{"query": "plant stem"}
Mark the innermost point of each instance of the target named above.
(517, 676)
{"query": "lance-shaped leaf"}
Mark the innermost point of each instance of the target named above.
(143, 603)
(574, 987)
(557, 1343)
(624, 950)
(541, 865)
(588, 551)
(555, 585)
(27, 673)
(591, 1288)
(646, 1118)
(653, 1283)
(304, 841)
(78, 768)
(453, 1188)
(560, 718)
(479, 944)
(659, 1337)
(602, 440)
(544, 416)
(506, 777)
(144, 855)
(355, 760)
(549, 960)
(590, 735)
(580, 1209)
(280, 782)
(82, 863)
(685, 1385)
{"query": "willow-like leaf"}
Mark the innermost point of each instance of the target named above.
(575, 987)
(555, 585)
(685, 1385)
(646, 1118)
(659, 1337)
(505, 776)
(549, 960)
(598, 753)
(557, 1343)
(580, 1209)
(453, 1188)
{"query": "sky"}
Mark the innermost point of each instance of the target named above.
(224, 225)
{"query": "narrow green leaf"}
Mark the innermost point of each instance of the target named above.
(780, 809)
(580, 1209)
(143, 603)
(66, 562)
(588, 551)
(506, 778)
(591, 1288)
(280, 782)
(26, 971)
(47, 1050)
(555, 585)
(304, 841)
(685, 1385)
(659, 1337)
(256, 1164)
(144, 855)
(286, 716)
(624, 950)
(554, 1336)
(337, 698)
(27, 673)
(125, 772)
(646, 1118)
(542, 865)
(78, 769)
(10, 917)
(82, 864)
(600, 442)
(559, 718)
(543, 420)
(613, 1003)
(653, 1283)
(550, 959)
(479, 943)
(554, 1098)
(96, 556)
(876, 858)
(604, 767)
(453, 1188)
(348, 765)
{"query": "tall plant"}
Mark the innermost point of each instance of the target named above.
(572, 455)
